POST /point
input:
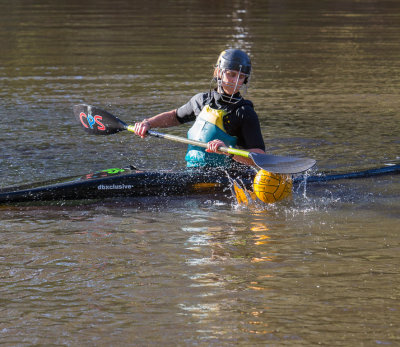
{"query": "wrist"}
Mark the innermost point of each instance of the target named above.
(147, 122)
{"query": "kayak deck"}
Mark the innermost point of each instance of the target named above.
(116, 182)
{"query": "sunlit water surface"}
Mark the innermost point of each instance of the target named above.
(322, 268)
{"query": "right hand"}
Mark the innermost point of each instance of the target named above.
(142, 128)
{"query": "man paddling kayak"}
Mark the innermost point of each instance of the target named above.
(222, 117)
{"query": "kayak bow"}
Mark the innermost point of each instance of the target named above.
(120, 183)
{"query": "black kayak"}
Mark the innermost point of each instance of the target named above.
(130, 182)
(127, 182)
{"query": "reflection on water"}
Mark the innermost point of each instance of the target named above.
(321, 268)
(213, 272)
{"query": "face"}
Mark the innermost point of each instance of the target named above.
(232, 80)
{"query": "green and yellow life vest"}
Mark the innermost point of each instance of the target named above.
(209, 125)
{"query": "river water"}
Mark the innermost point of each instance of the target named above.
(322, 268)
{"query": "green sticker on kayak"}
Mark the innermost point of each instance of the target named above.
(113, 171)
(103, 173)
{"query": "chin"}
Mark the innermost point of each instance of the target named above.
(229, 92)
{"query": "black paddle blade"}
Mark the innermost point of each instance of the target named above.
(97, 121)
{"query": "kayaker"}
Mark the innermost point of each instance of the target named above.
(222, 117)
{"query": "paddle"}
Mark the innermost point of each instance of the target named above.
(99, 122)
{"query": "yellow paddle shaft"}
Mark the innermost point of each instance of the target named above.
(228, 150)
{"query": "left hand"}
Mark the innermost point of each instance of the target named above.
(212, 146)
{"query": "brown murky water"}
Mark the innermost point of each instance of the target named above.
(321, 269)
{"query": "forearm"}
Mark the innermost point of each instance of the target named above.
(212, 147)
(163, 120)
